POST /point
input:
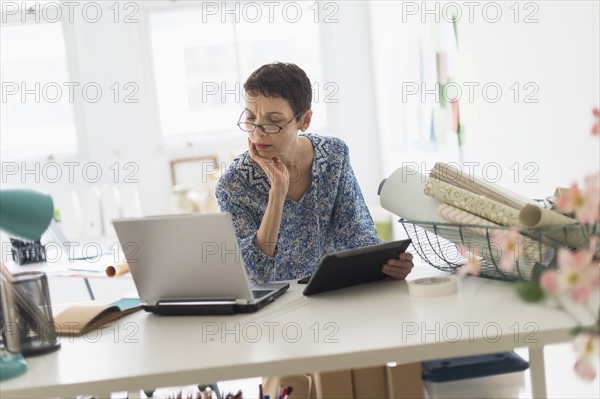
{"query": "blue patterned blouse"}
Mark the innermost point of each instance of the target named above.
(331, 216)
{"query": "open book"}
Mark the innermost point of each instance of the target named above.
(78, 320)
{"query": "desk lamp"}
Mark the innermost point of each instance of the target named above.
(26, 214)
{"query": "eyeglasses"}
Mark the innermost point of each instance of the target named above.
(269, 128)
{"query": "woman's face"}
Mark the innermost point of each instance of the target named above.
(263, 110)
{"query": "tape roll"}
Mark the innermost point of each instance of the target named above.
(432, 286)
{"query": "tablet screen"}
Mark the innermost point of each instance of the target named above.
(353, 267)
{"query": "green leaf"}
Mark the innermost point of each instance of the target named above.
(56, 215)
(577, 330)
(529, 292)
(593, 330)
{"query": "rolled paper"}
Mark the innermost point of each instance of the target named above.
(473, 203)
(456, 177)
(572, 234)
(533, 217)
(402, 194)
(533, 250)
(117, 270)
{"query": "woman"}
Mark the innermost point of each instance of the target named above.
(293, 197)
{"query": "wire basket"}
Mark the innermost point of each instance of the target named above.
(438, 244)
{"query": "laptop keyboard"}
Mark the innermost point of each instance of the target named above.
(260, 293)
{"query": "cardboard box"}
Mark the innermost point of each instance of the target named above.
(369, 383)
(301, 383)
(334, 384)
(399, 382)
(405, 381)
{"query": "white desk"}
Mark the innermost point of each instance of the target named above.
(357, 327)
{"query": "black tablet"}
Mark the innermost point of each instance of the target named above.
(353, 267)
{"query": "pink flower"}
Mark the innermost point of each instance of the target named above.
(510, 252)
(587, 349)
(590, 211)
(551, 283)
(596, 127)
(577, 274)
(585, 369)
(473, 265)
(585, 203)
(571, 200)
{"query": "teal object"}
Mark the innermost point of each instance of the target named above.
(25, 213)
(11, 365)
(127, 303)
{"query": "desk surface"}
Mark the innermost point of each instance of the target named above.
(93, 267)
(360, 326)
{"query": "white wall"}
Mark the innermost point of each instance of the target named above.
(368, 54)
(111, 133)
(537, 146)
(560, 54)
(347, 62)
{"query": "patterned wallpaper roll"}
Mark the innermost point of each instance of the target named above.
(456, 177)
(473, 203)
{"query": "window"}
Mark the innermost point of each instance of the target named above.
(201, 60)
(37, 116)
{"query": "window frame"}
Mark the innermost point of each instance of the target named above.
(219, 138)
(77, 108)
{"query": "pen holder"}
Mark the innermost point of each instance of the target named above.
(34, 324)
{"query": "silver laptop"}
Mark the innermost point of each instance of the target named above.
(190, 264)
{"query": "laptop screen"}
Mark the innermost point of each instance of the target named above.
(184, 257)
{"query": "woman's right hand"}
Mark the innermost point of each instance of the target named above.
(276, 171)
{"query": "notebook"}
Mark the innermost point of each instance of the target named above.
(190, 264)
(353, 267)
(80, 319)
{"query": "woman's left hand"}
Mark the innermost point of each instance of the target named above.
(398, 268)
